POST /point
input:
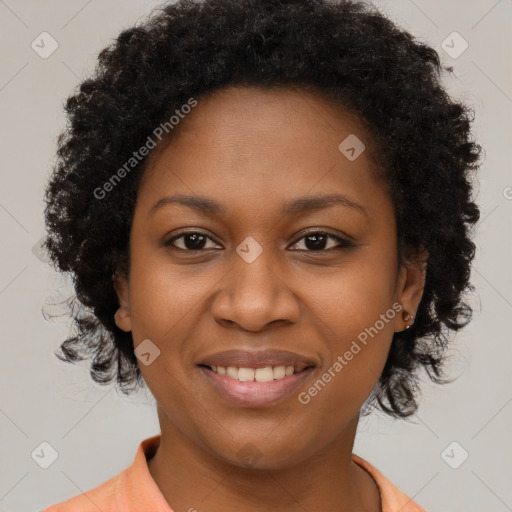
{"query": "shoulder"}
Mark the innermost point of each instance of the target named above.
(392, 498)
(133, 489)
(103, 497)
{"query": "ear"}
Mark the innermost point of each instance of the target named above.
(411, 282)
(122, 316)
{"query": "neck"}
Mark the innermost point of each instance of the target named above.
(192, 478)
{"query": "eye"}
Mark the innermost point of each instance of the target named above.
(191, 241)
(319, 241)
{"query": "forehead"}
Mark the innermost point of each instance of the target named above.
(263, 145)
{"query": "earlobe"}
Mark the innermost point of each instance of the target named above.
(122, 316)
(407, 317)
(123, 320)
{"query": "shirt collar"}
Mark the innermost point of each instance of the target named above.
(145, 492)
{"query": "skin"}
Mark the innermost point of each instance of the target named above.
(251, 151)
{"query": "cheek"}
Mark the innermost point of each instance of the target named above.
(162, 298)
(353, 296)
(162, 302)
(354, 308)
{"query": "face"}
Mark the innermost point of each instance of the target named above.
(303, 294)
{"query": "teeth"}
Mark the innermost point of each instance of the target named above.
(246, 374)
(255, 374)
(280, 372)
(232, 372)
(264, 374)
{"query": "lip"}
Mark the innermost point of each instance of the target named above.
(258, 359)
(255, 394)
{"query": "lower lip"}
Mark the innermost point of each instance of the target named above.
(252, 393)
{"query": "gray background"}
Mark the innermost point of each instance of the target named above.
(96, 431)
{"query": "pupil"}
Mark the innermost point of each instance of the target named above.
(197, 241)
(319, 241)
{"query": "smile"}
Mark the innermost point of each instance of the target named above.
(255, 374)
(255, 387)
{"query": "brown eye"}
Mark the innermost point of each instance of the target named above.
(323, 242)
(191, 241)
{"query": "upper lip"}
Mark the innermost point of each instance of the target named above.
(258, 359)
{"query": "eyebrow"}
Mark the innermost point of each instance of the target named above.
(295, 207)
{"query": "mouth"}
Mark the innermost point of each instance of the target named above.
(264, 374)
(256, 379)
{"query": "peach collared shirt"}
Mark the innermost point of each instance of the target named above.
(134, 490)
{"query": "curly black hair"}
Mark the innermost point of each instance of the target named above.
(347, 51)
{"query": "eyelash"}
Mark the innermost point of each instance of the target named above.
(343, 243)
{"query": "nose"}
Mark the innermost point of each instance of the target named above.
(254, 295)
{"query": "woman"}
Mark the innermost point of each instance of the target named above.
(266, 210)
